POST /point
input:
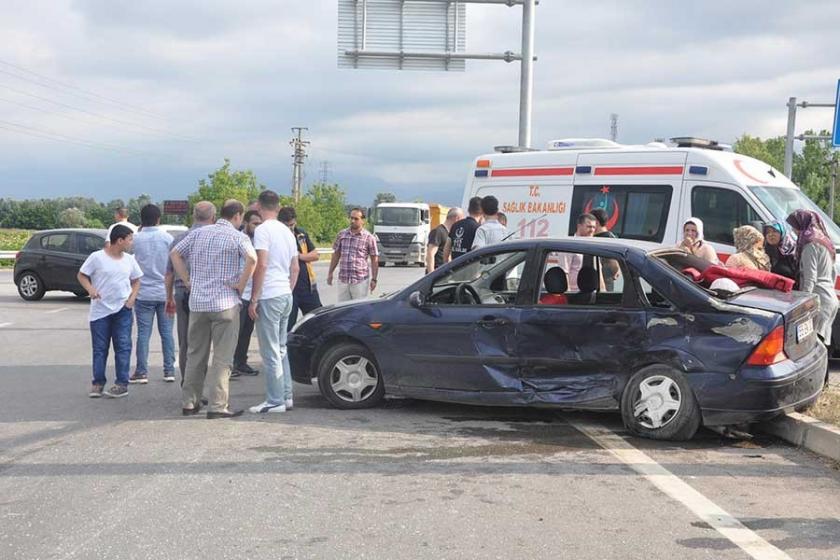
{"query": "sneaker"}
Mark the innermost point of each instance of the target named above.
(169, 377)
(138, 378)
(96, 391)
(290, 404)
(117, 391)
(265, 407)
(245, 369)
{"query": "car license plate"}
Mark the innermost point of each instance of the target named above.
(803, 330)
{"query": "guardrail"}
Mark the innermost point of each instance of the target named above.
(8, 254)
(325, 251)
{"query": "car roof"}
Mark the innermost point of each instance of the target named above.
(100, 232)
(615, 244)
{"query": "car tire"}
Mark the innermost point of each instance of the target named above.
(658, 403)
(30, 286)
(349, 377)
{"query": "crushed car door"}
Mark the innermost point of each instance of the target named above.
(576, 346)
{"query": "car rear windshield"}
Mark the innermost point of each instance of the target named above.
(683, 263)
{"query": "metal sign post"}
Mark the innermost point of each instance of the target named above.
(791, 128)
(428, 35)
(835, 135)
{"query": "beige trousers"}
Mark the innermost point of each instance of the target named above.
(346, 292)
(221, 330)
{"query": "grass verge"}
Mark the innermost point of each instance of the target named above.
(827, 407)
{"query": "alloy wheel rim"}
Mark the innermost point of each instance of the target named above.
(354, 378)
(28, 285)
(657, 402)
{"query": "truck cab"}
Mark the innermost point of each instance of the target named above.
(402, 230)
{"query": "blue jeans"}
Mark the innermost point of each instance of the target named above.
(271, 332)
(117, 328)
(145, 311)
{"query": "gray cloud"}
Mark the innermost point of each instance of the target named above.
(235, 76)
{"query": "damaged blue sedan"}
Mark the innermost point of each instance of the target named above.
(574, 323)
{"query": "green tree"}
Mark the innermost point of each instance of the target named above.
(135, 205)
(811, 168)
(329, 201)
(224, 184)
(384, 197)
(71, 218)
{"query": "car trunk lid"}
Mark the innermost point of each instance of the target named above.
(799, 310)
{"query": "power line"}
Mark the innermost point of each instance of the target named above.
(85, 93)
(63, 137)
(95, 114)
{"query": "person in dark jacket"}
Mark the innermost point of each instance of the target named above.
(780, 246)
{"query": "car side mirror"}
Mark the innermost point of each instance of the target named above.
(416, 299)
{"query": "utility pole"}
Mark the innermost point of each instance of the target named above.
(613, 126)
(299, 145)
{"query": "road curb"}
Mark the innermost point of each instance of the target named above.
(805, 431)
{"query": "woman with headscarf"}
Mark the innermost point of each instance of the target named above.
(693, 241)
(815, 254)
(780, 247)
(749, 244)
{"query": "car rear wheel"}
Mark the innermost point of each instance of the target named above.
(658, 403)
(30, 286)
(349, 377)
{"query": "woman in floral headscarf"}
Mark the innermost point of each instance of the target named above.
(750, 254)
(780, 246)
(815, 254)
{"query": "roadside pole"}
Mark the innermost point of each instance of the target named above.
(791, 131)
(526, 87)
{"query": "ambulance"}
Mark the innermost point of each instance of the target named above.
(648, 191)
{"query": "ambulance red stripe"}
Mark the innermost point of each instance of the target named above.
(649, 170)
(532, 171)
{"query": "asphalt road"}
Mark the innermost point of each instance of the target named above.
(131, 478)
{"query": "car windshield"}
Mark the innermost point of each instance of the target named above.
(389, 216)
(782, 201)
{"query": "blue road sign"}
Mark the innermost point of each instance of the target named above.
(835, 135)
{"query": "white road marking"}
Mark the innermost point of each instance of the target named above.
(5, 325)
(675, 488)
(59, 310)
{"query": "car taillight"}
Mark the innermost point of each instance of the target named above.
(771, 350)
(17, 256)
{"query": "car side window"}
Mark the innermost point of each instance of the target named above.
(581, 279)
(87, 244)
(492, 279)
(654, 298)
(56, 242)
(721, 210)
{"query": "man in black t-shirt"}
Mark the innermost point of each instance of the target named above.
(437, 250)
(462, 233)
(609, 267)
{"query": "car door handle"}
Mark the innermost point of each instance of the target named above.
(490, 321)
(613, 322)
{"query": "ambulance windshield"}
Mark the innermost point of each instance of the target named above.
(781, 201)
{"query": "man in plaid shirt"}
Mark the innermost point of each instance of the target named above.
(215, 281)
(353, 248)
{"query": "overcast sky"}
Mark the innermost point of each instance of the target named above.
(169, 88)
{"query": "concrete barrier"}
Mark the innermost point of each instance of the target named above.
(805, 431)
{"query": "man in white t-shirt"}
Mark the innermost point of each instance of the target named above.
(271, 302)
(111, 278)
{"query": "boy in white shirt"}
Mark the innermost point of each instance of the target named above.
(111, 278)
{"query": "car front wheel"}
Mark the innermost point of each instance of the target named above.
(30, 286)
(349, 377)
(658, 403)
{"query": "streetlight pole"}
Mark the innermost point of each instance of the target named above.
(526, 86)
